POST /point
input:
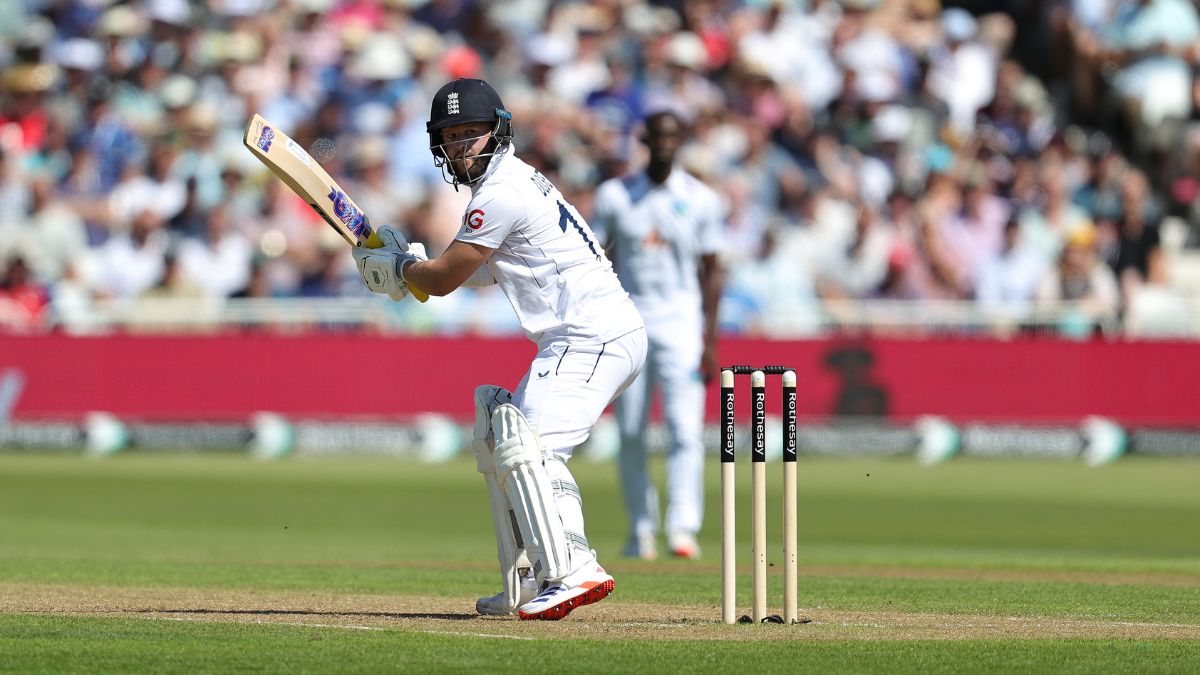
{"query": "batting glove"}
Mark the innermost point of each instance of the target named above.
(414, 253)
(392, 238)
(381, 268)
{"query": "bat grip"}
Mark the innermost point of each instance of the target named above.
(374, 241)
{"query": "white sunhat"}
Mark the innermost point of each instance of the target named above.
(79, 54)
(958, 24)
(687, 49)
(548, 49)
(174, 12)
(892, 123)
(381, 57)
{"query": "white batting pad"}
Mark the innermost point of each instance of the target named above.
(509, 551)
(488, 397)
(511, 556)
(570, 509)
(518, 461)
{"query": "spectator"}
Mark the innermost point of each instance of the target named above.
(52, 235)
(1045, 225)
(72, 302)
(1151, 43)
(974, 231)
(23, 301)
(948, 273)
(174, 284)
(1100, 194)
(910, 274)
(776, 178)
(859, 267)
(681, 86)
(1137, 258)
(258, 285)
(152, 188)
(22, 109)
(793, 45)
(746, 224)
(1009, 281)
(131, 262)
(776, 292)
(963, 72)
(14, 202)
(218, 261)
(803, 114)
(1082, 279)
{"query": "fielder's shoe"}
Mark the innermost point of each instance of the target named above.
(641, 546)
(496, 605)
(683, 545)
(584, 586)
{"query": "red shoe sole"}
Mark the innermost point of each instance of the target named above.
(562, 609)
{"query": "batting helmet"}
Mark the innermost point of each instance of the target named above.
(467, 100)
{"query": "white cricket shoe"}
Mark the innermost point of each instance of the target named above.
(641, 546)
(683, 545)
(496, 605)
(587, 585)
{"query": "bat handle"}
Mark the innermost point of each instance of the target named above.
(374, 241)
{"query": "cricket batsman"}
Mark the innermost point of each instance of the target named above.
(519, 232)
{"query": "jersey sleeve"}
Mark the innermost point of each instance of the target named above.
(601, 221)
(491, 216)
(712, 225)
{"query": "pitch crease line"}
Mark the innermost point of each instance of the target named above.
(347, 627)
(482, 635)
(260, 622)
(1088, 622)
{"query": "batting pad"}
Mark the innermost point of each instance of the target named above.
(509, 550)
(570, 507)
(518, 461)
(488, 397)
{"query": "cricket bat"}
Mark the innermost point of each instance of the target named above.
(300, 172)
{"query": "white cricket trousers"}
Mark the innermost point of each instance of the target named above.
(673, 367)
(562, 396)
(569, 385)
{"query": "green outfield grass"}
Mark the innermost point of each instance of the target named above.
(1095, 565)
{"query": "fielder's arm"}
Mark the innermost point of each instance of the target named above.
(712, 282)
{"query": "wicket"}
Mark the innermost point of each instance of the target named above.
(758, 458)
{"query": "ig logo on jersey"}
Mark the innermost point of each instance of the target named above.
(474, 220)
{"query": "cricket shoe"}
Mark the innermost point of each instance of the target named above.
(683, 545)
(587, 585)
(497, 605)
(641, 546)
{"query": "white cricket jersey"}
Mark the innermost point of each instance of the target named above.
(547, 260)
(658, 232)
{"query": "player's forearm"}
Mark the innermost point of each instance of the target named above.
(480, 278)
(441, 275)
(432, 276)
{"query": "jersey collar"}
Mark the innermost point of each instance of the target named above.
(672, 180)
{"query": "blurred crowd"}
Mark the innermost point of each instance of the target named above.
(1012, 157)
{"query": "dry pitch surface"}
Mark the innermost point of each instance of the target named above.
(616, 618)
